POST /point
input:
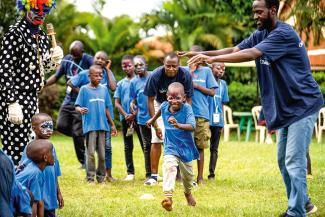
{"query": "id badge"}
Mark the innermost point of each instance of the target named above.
(216, 118)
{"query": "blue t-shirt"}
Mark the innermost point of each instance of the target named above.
(97, 101)
(136, 92)
(122, 92)
(50, 173)
(216, 102)
(20, 199)
(82, 79)
(68, 68)
(158, 82)
(179, 143)
(202, 76)
(33, 179)
(288, 89)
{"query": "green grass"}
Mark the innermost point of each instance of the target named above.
(248, 184)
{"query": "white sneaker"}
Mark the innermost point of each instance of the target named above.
(150, 182)
(129, 177)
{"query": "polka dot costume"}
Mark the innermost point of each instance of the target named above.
(23, 60)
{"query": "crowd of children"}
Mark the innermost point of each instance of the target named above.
(32, 186)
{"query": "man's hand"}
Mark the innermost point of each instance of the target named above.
(172, 120)
(159, 132)
(113, 130)
(186, 53)
(15, 113)
(56, 54)
(199, 60)
(133, 107)
(60, 200)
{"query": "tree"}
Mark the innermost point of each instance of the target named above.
(206, 22)
(8, 15)
(309, 18)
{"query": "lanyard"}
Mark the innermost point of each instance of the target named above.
(217, 96)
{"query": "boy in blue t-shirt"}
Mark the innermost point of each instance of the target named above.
(179, 146)
(40, 152)
(216, 115)
(93, 103)
(108, 80)
(127, 118)
(204, 86)
(139, 105)
(42, 125)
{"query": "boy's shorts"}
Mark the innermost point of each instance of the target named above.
(202, 133)
(160, 123)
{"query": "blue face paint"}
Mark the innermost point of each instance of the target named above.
(46, 127)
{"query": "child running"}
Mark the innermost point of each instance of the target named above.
(179, 146)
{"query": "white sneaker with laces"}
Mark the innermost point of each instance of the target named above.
(129, 177)
(150, 182)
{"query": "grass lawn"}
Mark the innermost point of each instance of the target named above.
(248, 183)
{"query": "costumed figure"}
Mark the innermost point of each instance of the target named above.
(25, 57)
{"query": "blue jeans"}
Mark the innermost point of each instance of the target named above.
(108, 150)
(292, 149)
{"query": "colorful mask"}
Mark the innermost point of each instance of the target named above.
(39, 7)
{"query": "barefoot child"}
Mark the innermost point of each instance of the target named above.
(179, 147)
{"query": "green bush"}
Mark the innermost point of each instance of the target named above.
(242, 97)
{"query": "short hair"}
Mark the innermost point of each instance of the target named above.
(102, 52)
(37, 116)
(272, 3)
(178, 86)
(140, 57)
(128, 57)
(76, 45)
(37, 149)
(94, 67)
(172, 55)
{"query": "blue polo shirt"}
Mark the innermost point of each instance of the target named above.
(288, 90)
(122, 92)
(7, 176)
(202, 76)
(179, 143)
(97, 101)
(158, 82)
(20, 199)
(68, 68)
(216, 102)
(83, 78)
(33, 179)
(136, 92)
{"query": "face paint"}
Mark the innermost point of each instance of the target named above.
(140, 66)
(46, 127)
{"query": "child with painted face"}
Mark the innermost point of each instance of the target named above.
(179, 146)
(39, 156)
(93, 104)
(42, 125)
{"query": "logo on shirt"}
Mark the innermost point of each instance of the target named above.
(301, 44)
(96, 99)
(162, 90)
(264, 62)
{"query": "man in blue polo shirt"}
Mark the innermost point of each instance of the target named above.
(291, 98)
(156, 90)
(69, 121)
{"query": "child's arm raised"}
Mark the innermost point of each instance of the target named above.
(188, 127)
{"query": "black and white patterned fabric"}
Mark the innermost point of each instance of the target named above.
(24, 58)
